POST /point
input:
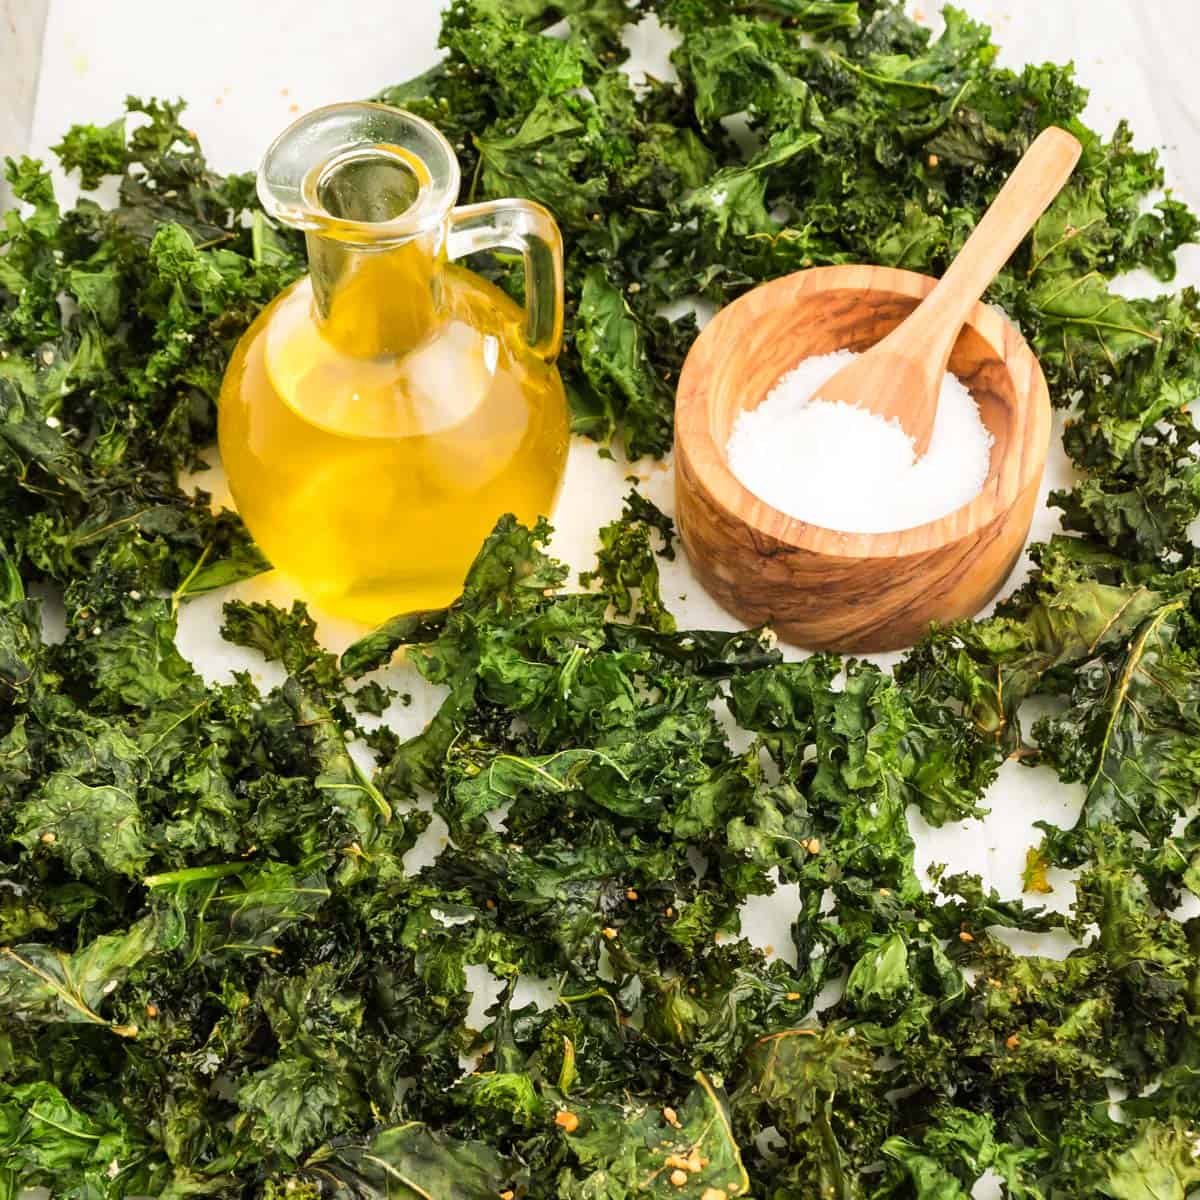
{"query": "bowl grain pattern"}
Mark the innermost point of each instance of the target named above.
(821, 588)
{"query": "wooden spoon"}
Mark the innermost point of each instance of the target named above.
(900, 377)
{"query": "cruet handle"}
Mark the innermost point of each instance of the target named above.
(522, 226)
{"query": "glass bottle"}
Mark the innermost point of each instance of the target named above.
(384, 411)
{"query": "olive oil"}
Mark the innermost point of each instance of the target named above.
(384, 411)
(375, 481)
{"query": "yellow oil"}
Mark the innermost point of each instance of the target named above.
(372, 478)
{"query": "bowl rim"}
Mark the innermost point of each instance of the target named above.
(704, 464)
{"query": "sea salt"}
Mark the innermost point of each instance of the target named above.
(842, 467)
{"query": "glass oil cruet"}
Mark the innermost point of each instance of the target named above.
(384, 411)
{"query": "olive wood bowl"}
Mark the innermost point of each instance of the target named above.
(822, 588)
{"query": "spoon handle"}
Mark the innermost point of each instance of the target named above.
(1040, 175)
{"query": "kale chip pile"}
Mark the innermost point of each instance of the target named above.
(223, 969)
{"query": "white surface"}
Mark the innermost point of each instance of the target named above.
(21, 25)
(247, 69)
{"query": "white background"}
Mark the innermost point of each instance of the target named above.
(248, 69)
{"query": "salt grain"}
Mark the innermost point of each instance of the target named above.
(845, 468)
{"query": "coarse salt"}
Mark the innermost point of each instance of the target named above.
(844, 468)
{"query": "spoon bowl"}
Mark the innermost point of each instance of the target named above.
(823, 588)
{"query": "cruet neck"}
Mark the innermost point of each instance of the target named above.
(372, 188)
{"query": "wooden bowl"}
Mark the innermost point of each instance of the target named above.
(821, 588)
